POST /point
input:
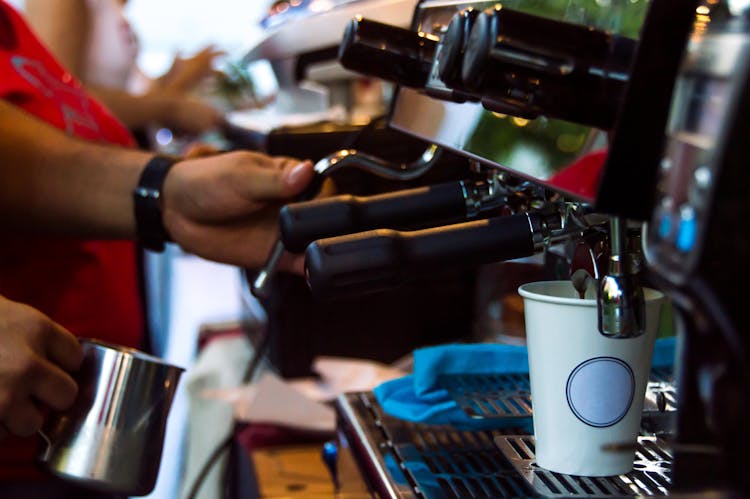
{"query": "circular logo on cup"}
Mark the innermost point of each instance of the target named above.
(600, 391)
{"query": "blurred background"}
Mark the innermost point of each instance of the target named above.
(195, 291)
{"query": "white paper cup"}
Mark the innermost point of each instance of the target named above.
(587, 390)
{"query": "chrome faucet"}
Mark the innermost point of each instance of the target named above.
(612, 259)
(620, 295)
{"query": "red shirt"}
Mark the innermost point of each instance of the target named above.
(582, 177)
(90, 287)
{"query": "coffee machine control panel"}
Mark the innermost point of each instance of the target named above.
(713, 76)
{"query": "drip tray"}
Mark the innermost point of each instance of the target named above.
(651, 475)
(446, 463)
(443, 462)
(488, 396)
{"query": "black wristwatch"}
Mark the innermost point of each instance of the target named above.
(147, 198)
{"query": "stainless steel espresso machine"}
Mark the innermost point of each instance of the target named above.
(617, 134)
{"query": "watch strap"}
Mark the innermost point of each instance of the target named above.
(147, 203)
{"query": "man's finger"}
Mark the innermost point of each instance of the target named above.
(292, 263)
(272, 162)
(268, 184)
(200, 150)
(298, 176)
(24, 418)
(63, 348)
(54, 387)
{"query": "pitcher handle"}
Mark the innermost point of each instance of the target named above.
(47, 442)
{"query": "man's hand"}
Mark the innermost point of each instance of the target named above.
(224, 207)
(35, 354)
(186, 73)
(187, 114)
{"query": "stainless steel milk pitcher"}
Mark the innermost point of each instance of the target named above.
(112, 437)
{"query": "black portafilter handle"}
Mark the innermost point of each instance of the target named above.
(302, 223)
(383, 259)
(388, 52)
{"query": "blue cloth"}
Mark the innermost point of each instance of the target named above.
(418, 398)
(664, 352)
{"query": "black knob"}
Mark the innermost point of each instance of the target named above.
(453, 45)
(518, 61)
(388, 52)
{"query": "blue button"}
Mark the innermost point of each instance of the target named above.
(687, 233)
(665, 226)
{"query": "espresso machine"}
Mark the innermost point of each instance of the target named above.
(615, 135)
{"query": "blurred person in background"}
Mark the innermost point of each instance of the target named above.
(95, 41)
(69, 168)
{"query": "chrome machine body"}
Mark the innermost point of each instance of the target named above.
(462, 89)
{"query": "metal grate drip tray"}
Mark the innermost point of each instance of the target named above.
(486, 396)
(483, 396)
(651, 475)
(445, 463)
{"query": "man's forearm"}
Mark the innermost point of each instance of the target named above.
(134, 110)
(50, 182)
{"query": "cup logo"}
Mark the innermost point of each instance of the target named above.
(600, 391)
